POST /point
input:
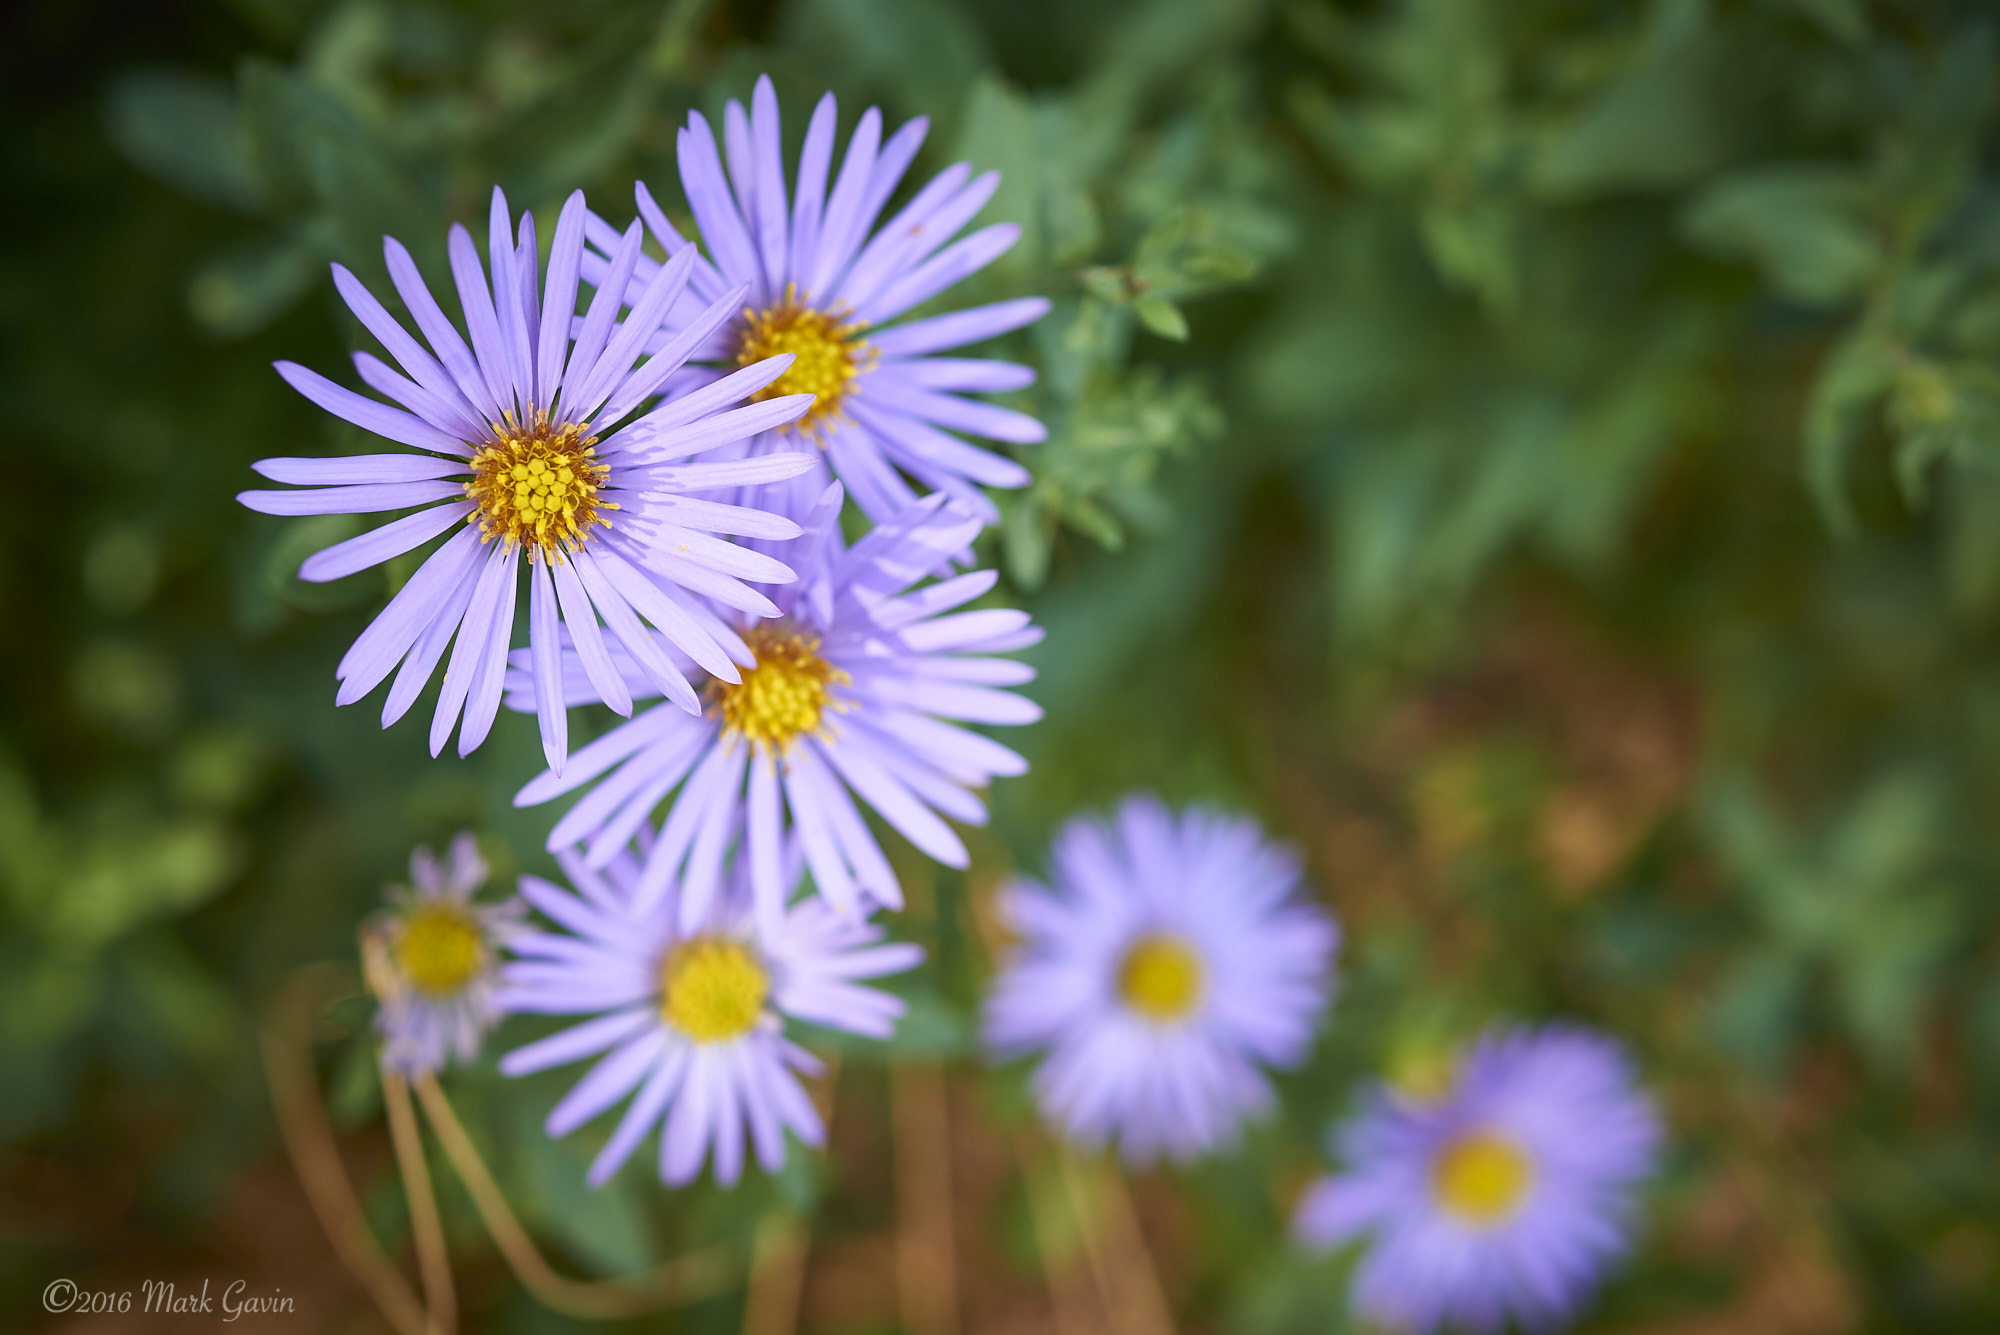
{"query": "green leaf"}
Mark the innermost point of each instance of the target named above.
(244, 289)
(1162, 317)
(1804, 225)
(1844, 396)
(186, 131)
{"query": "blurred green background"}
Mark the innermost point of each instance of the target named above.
(1542, 457)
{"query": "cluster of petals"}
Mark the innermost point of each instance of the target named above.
(1566, 1102)
(909, 666)
(1259, 960)
(815, 246)
(422, 1027)
(655, 563)
(607, 958)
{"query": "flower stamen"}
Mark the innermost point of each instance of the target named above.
(827, 351)
(788, 693)
(539, 486)
(439, 949)
(1160, 977)
(712, 989)
(1482, 1178)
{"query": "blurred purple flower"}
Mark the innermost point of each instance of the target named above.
(823, 281)
(849, 689)
(529, 458)
(1168, 962)
(441, 961)
(692, 1017)
(1505, 1198)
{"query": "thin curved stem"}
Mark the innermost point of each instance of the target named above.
(433, 1260)
(286, 1039)
(685, 1279)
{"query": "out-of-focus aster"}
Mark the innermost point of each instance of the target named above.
(1502, 1199)
(849, 689)
(527, 457)
(1167, 963)
(825, 284)
(692, 1016)
(434, 960)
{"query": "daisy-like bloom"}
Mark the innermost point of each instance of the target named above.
(1504, 1198)
(530, 454)
(827, 286)
(1170, 960)
(849, 689)
(434, 963)
(692, 1017)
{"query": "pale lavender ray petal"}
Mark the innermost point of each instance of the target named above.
(409, 354)
(955, 262)
(559, 310)
(707, 281)
(597, 321)
(714, 206)
(508, 307)
(941, 332)
(369, 414)
(474, 636)
(809, 199)
(422, 659)
(482, 702)
(384, 379)
(438, 329)
(545, 647)
(837, 236)
(381, 544)
(370, 498)
(584, 632)
(480, 320)
(767, 204)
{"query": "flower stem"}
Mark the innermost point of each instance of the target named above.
(433, 1260)
(286, 1040)
(685, 1279)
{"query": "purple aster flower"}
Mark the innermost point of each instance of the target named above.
(849, 689)
(1168, 962)
(827, 285)
(435, 962)
(531, 453)
(692, 1016)
(1503, 1199)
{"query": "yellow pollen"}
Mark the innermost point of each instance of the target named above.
(712, 989)
(1482, 1178)
(440, 948)
(1160, 978)
(787, 693)
(827, 355)
(538, 486)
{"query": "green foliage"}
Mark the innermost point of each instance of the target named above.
(1543, 458)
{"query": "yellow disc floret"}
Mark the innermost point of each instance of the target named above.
(787, 693)
(1160, 978)
(827, 355)
(1482, 1178)
(440, 948)
(712, 989)
(539, 486)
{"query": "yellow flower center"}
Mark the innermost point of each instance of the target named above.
(539, 486)
(1482, 1178)
(712, 989)
(440, 948)
(827, 355)
(787, 693)
(1160, 978)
